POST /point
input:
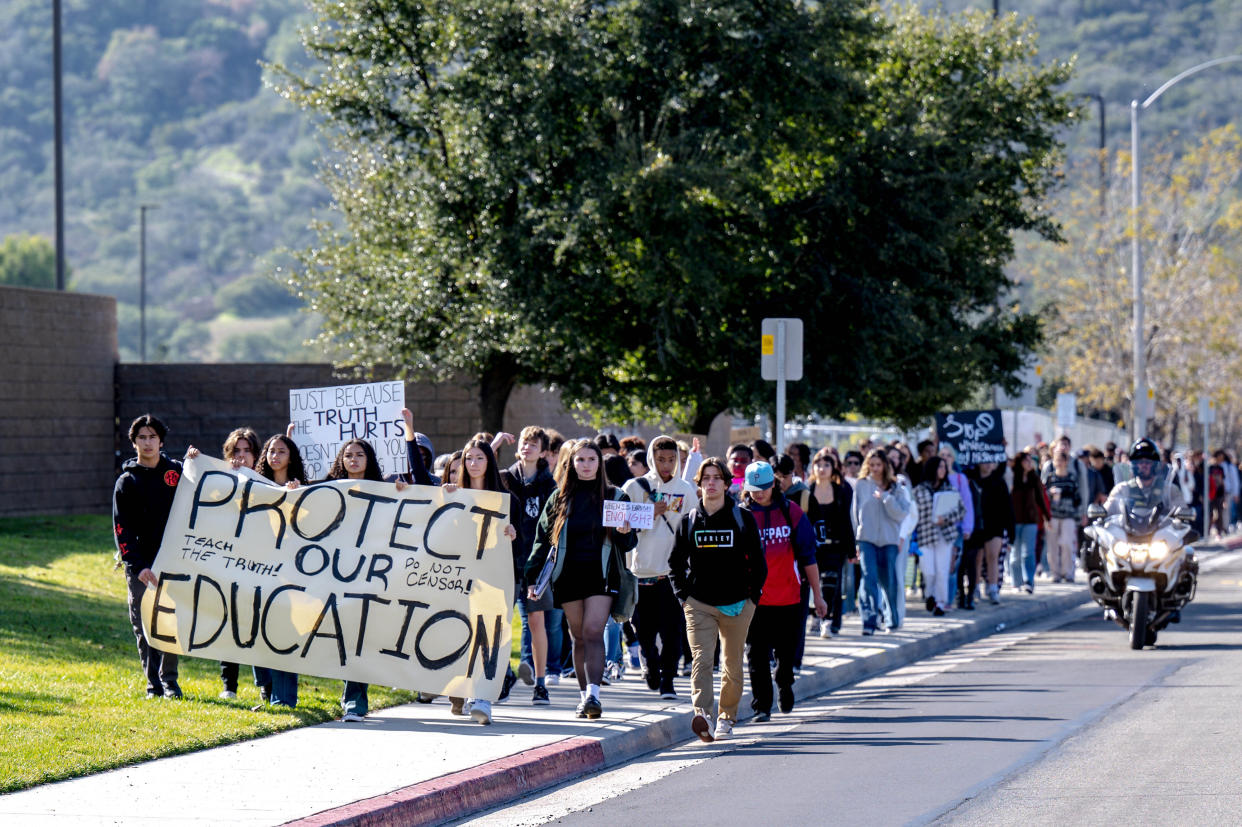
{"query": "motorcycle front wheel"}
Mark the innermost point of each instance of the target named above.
(1138, 621)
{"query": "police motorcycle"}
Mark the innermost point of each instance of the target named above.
(1140, 566)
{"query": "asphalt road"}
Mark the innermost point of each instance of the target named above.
(1055, 723)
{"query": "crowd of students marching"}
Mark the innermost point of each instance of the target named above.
(743, 551)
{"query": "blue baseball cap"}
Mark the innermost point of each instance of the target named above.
(759, 477)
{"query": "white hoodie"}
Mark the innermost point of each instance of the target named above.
(650, 558)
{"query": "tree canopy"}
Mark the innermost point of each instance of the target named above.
(611, 196)
(1189, 224)
(27, 261)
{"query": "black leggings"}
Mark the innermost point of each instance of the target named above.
(968, 574)
(831, 580)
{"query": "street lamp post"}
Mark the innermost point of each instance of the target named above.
(1136, 259)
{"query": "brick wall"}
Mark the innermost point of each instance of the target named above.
(202, 403)
(57, 354)
(66, 404)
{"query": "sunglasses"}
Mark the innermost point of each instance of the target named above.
(852, 462)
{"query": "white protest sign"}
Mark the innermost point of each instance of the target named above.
(344, 579)
(1067, 410)
(639, 515)
(326, 418)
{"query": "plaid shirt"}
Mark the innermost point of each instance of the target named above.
(928, 533)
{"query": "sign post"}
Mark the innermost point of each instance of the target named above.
(781, 361)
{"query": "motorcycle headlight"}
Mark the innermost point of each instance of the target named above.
(1159, 550)
(1121, 549)
(1138, 555)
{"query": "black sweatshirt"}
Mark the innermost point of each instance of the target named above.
(716, 562)
(141, 501)
(531, 498)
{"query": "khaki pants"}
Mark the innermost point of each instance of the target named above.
(703, 624)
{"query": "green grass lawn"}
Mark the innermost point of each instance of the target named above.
(72, 695)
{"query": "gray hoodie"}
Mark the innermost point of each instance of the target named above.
(878, 520)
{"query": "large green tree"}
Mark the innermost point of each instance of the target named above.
(27, 261)
(610, 196)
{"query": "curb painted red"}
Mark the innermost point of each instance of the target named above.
(454, 795)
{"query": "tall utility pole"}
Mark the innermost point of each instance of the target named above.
(58, 149)
(142, 279)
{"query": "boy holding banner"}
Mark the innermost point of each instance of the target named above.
(141, 500)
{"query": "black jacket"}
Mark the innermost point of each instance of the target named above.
(141, 501)
(531, 499)
(544, 543)
(715, 561)
(995, 515)
(834, 533)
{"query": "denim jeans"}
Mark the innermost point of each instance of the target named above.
(554, 621)
(897, 598)
(284, 688)
(955, 563)
(1022, 555)
(612, 642)
(881, 584)
(354, 698)
(262, 677)
(849, 589)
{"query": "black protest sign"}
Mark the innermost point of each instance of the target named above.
(976, 436)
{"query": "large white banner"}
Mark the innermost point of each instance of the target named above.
(342, 579)
(324, 419)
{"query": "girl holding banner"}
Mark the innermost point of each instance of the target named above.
(479, 471)
(241, 450)
(281, 462)
(585, 559)
(357, 461)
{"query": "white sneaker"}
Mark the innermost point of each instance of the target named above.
(227, 695)
(552, 679)
(724, 729)
(481, 711)
(825, 632)
(702, 727)
(351, 717)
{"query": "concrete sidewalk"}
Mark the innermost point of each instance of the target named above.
(418, 764)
